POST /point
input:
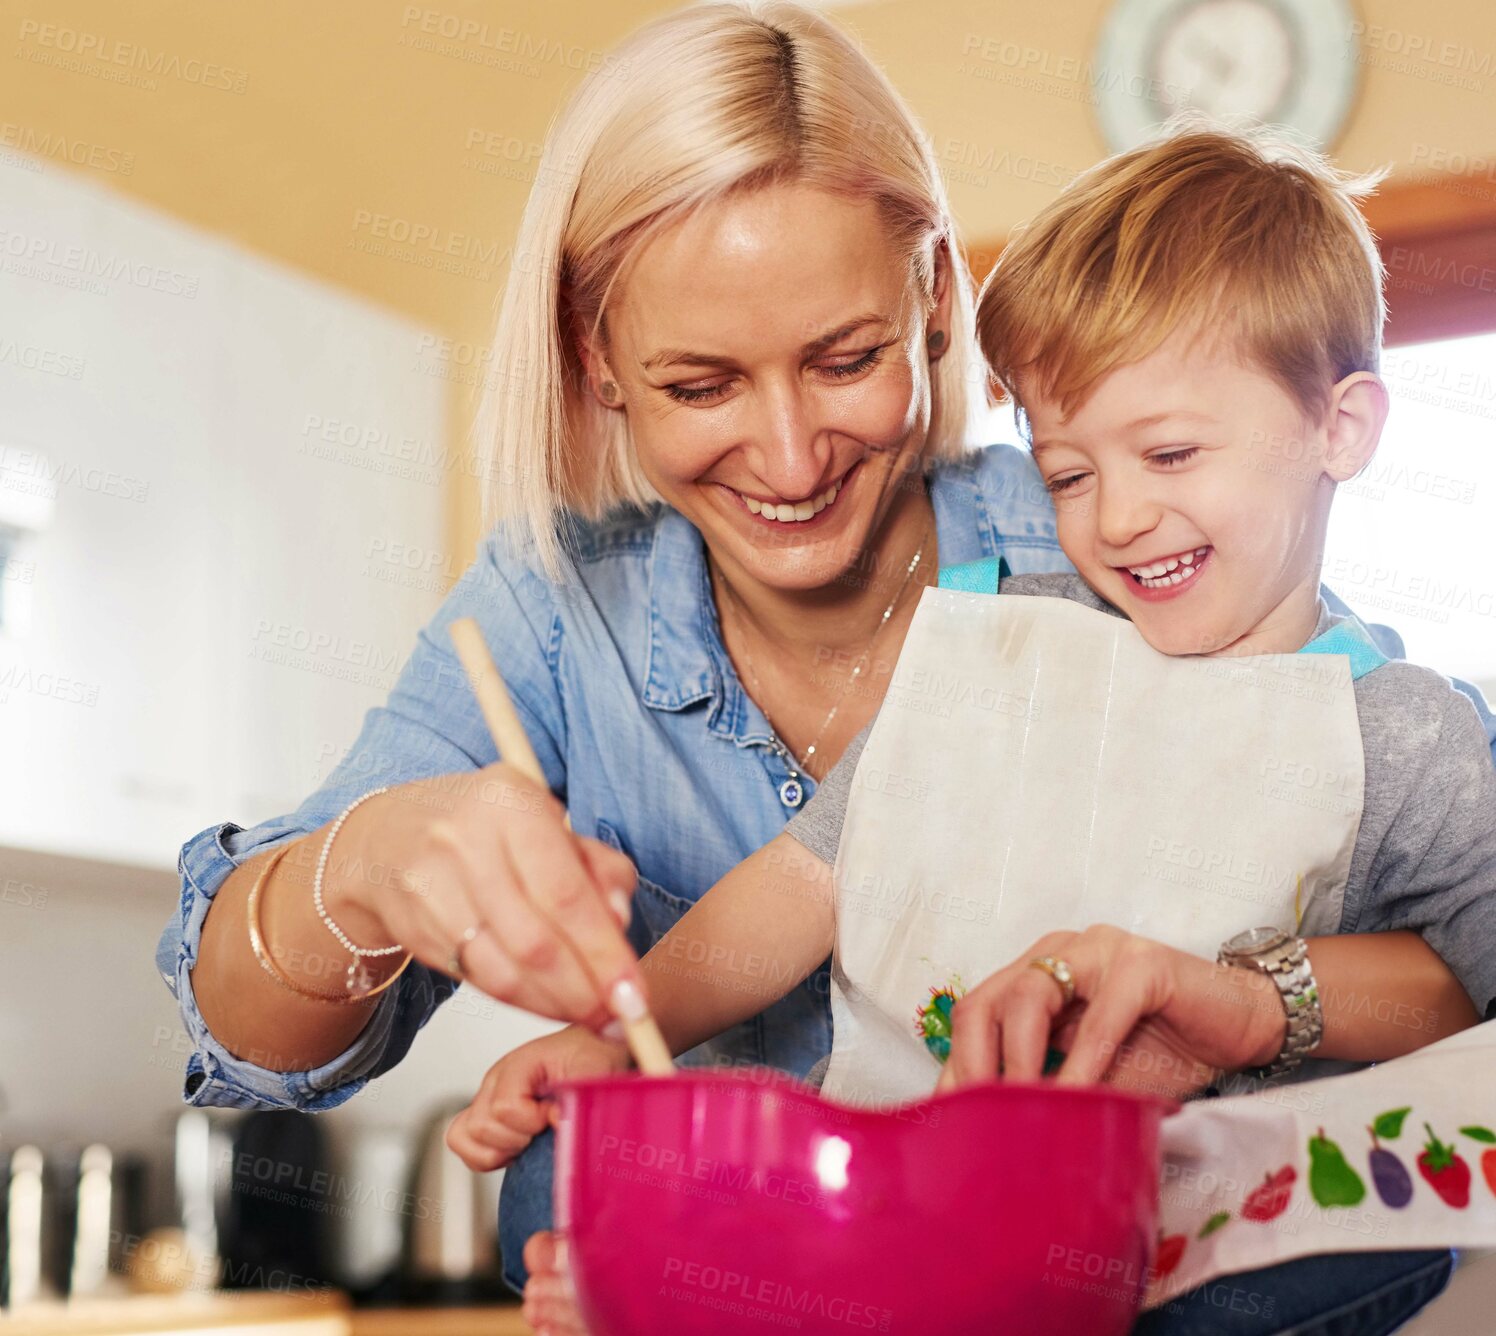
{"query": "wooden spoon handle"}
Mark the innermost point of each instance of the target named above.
(646, 1043)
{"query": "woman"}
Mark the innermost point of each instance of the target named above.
(762, 379)
(731, 399)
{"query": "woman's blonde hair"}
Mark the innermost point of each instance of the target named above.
(1235, 227)
(693, 106)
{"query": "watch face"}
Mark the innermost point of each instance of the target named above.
(1254, 940)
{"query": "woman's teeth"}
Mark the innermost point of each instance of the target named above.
(796, 513)
(1170, 571)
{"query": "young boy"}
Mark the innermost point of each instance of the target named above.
(1191, 334)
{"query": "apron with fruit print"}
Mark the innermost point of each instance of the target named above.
(1037, 765)
(1400, 1155)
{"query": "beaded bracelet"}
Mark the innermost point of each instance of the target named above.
(357, 974)
(267, 960)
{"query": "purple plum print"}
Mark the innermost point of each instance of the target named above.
(1394, 1184)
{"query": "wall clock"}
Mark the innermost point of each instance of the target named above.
(1284, 62)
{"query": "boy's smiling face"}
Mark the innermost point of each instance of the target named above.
(1193, 493)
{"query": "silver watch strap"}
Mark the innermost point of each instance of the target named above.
(1288, 967)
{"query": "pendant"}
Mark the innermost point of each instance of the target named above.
(791, 793)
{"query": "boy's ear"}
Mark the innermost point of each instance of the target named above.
(1357, 412)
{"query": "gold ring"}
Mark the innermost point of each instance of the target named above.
(1058, 970)
(454, 961)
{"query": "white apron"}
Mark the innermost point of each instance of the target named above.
(1037, 766)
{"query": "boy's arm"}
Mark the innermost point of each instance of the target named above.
(1383, 994)
(1416, 964)
(761, 930)
(746, 943)
(758, 933)
(1435, 871)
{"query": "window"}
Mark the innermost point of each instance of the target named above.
(1412, 541)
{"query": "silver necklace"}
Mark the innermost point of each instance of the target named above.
(792, 791)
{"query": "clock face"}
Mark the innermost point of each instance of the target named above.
(1283, 62)
(1227, 58)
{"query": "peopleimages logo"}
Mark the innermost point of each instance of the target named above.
(89, 263)
(516, 42)
(69, 48)
(79, 152)
(671, 1162)
(776, 1302)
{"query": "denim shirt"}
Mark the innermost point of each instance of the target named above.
(641, 726)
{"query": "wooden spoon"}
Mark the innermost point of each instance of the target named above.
(645, 1041)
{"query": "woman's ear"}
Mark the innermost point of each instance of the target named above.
(938, 327)
(601, 383)
(1353, 424)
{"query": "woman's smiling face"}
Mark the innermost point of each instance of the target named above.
(772, 356)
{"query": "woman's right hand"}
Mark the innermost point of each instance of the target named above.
(512, 1106)
(489, 850)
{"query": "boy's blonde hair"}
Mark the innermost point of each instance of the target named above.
(693, 106)
(1244, 230)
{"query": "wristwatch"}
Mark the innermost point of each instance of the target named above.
(1284, 958)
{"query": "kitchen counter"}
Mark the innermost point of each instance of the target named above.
(256, 1314)
(493, 1321)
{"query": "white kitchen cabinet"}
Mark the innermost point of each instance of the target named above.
(187, 408)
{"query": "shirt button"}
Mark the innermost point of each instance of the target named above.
(791, 793)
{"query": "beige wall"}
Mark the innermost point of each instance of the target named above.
(995, 86)
(307, 131)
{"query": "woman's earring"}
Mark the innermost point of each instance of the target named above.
(936, 341)
(609, 391)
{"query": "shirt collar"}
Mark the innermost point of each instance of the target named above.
(964, 525)
(679, 669)
(685, 660)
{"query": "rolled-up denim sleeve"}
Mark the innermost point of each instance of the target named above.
(1391, 644)
(216, 1076)
(430, 725)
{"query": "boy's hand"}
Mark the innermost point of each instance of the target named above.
(513, 1105)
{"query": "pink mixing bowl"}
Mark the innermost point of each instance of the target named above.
(740, 1202)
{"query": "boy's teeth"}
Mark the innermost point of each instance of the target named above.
(1161, 568)
(1171, 571)
(1154, 571)
(793, 514)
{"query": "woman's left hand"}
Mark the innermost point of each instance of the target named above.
(1145, 1016)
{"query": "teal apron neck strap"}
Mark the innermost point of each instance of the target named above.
(1347, 637)
(1354, 641)
(975, 577)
